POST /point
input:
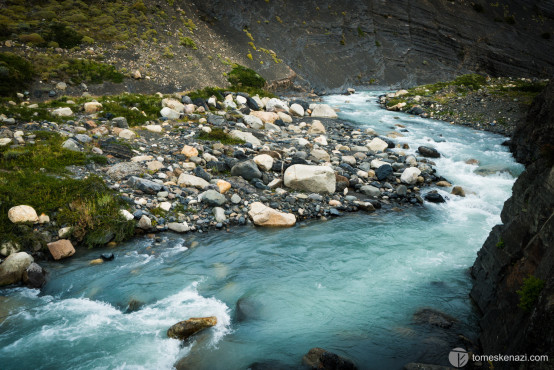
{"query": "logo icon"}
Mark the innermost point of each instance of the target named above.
(458, 357)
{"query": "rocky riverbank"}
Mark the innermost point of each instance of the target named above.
(483, 103)
(513, 274)
(203, 165)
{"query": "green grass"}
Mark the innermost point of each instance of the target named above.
(218, 134)
(529, 292)
(36, 176)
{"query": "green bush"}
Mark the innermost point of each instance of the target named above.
(188, 42)
(32, 38)
(16, 73)
(529, 292)
(245, 77)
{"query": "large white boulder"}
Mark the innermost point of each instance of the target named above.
(62, 112)
(317, 179)
(253, 121)
(297, 110)
(263, 215)
(246, 136)
(187, 181)
(377, 145)
(176, 105)
(317, 128)
(264, 162)
(12, 269)
(276, 105)
(410, 175)
(324, 111)
(170, 113)
(22, 214)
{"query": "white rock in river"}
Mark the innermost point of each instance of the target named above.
(192, 181)
(246, 136)
(170, 113)
(317, 179)
(276, 105)
(154, 128)
(253, 121)
(377, 145)
(317, 128)
(410, 175)
(173, 104)
(324, 111)
(297, 110)
(126, 134)
(22, 213)
(178, 227)
(264, 162)
(263, 215)
(62, 112)
(12, 269)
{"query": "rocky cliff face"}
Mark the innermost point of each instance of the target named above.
(521, 247)
(333, 43)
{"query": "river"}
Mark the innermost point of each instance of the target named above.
(350, 285)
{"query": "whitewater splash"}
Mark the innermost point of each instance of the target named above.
(86, 334)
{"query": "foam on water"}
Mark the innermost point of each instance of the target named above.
(98, 335)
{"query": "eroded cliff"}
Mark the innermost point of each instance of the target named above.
(514, 270)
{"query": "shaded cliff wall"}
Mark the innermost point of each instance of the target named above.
(522, 246)
(332, 43)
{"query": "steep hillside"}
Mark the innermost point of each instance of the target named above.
(514, 285)
(329, 44)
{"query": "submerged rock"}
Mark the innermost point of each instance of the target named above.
(34, 276)
(318, 358)
(434, 317)
(185, 329)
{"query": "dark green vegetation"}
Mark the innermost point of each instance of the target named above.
(529, 292)
(16, 73)
(217, 134)
(37, 176)
(245, 77)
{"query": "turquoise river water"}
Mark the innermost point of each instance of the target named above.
(350, 285)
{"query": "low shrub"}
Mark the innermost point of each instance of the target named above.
(529, 292)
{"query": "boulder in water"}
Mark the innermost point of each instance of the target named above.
(13, 268)
(434, 198)
(34, 276)
(434, 317)
(185, 329)
(318, 358)
(428, 152)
